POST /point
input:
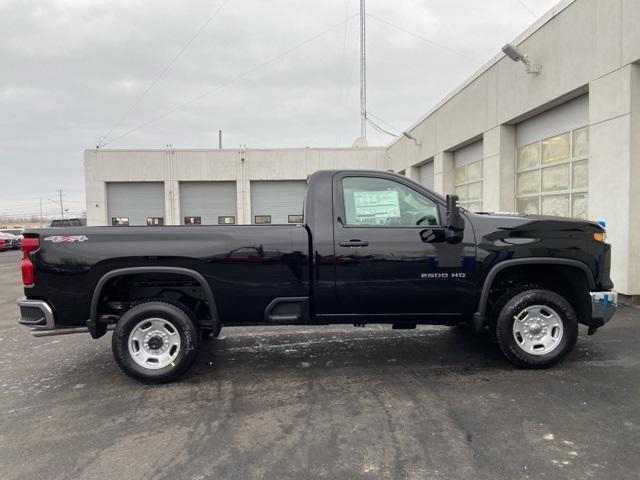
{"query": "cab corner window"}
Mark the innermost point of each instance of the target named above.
(370, 201)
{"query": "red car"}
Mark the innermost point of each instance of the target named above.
(9, 241)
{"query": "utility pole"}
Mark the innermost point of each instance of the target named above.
(59, 202)
(219, 139)
(41, 219)
(363, 73)
(61, 206)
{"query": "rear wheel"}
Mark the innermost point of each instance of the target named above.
(155, 342)
(536, 328)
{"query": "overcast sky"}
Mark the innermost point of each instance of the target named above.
(70, 69)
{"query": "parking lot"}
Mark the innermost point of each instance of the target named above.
(321, 402)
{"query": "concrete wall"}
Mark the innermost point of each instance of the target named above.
(242, 166)
(584, 47)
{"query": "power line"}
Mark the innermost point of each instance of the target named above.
(425, 39)
(382, 121)
(379, 128)
(533, 14)
(229, 82)
(100, 142)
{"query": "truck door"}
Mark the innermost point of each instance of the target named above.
(392, 259)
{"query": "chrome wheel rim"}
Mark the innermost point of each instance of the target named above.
(154, 343)
(538, 329)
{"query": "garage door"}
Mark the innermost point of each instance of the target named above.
(467, 175)
(552, 161)
(208, 203)
(425, 175)
(277, 201)
(135, 203)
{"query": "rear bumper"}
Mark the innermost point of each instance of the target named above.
(603, 307)
(36, 314)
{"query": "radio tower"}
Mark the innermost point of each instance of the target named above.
(363, 75)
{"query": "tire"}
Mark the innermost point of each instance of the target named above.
(536, 328)
(155, 324)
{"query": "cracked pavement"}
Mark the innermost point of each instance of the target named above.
(319, 402)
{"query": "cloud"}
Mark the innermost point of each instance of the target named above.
(72, 68)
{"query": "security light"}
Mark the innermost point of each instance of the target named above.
(517, 55)
(411, 137)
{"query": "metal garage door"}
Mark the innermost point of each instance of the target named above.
(208, 202)
(425, 175)
(135, 202)
(467, 175)
(278, 200)
(568, 116)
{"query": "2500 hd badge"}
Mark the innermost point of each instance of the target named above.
(443, 275)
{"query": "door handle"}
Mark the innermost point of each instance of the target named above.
(354, 243)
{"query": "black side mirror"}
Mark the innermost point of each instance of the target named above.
(455, 222)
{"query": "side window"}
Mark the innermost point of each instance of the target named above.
(382, 202)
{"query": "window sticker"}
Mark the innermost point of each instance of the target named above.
(375, 207)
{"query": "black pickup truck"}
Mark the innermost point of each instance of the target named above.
(375, 247)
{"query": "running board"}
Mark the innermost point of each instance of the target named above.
(64, 331)
(285, 318)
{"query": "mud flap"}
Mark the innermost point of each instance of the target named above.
(96, 329)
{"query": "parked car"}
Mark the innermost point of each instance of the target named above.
(5, 244)
(15, 231)
(375, 247)
(11, 241)
(69, 222)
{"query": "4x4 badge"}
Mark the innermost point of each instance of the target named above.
(66, 238)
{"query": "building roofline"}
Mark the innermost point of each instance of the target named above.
(533, 28)
(248, 149)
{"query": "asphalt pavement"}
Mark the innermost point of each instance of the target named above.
(324, 402)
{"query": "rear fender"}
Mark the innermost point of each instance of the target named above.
(98, 329)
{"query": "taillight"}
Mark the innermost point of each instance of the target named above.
(29, 244)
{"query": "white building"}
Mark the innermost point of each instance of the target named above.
(565, 142)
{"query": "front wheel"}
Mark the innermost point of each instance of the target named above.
(536, 328)
(155, 342)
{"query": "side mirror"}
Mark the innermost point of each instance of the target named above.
(455, 222)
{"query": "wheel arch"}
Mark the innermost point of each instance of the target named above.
(507, 266)
(198, 277)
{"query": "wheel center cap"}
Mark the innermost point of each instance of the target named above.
(535, 328)
(155, 342)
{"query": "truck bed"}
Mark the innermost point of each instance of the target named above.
(246, 265)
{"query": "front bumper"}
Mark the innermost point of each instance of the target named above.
(603, 306)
